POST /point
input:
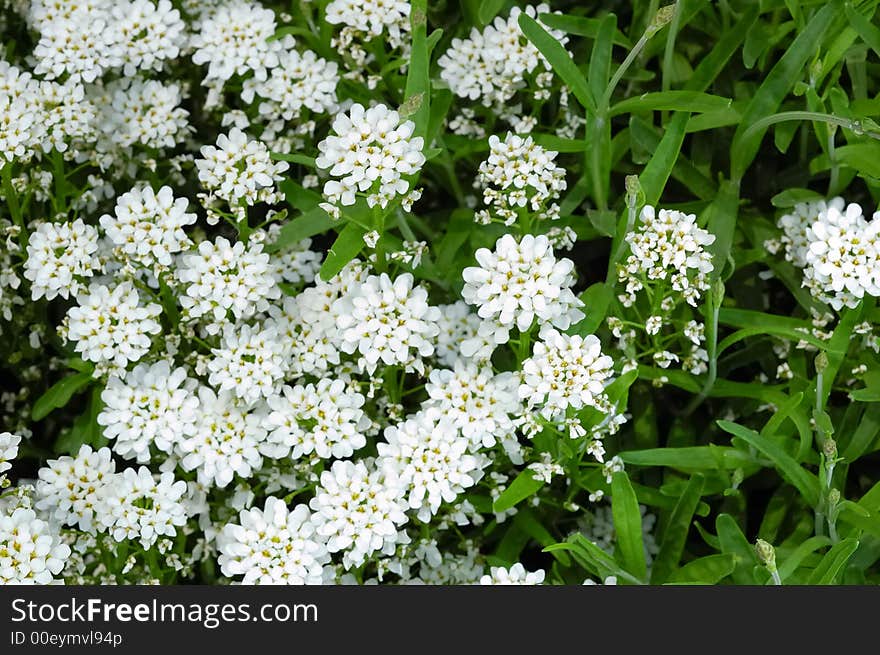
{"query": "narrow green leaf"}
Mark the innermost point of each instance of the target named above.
(580, 26)
(676, 531)
(711, 569)
(524, 485)
(628, 525)
(418, 82)
(799, 554)
(864, 435)
(867, 31)
(597, 298)
(599, 72)
(833, 563)
(559, 59)
(315, 221)
(788, 468)
(488, 10)
(691, 458)
(294, 158)
(776, 86)
(655, 175)
(59, 394)
(347, 246)
(688, 101)
(733, 542)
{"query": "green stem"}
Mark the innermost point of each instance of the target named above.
(14, 207)
(853, 126)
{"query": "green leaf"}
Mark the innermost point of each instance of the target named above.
(592, 558)
(526, 521)
(867, 31)
(418, 82)
(687, 101)
(676, 531)
(312, 222)
(720, 220)
(791, 197)
(805, 482)
(599, 72)
(294, 158)
(691, 458)
(711, 569)
(733, 542)
(559, 60)
(524, 485)
(628, 525)
(347, 246)
(864, 435)
(775, 88)
(59, 394)
(597, 298)
(833, 562)
(488, 10)
(580, 26)
(799, 554)
(762, 323)
(655, 175)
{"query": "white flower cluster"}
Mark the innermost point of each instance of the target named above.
(220, 277)
(326, 419)
(387, 321)
(838, 249)
(235, 39)
(519, 173)
(298, 82)
(151, 406)
(85, 491)
(61, 257)
(371, 17)
(491, 66)
(519, 283)
(514, 575)
(565, 371)
(147, 226)
(8, 451)
(112, 326)
(669, 246)
(31, 551)
(429, 457)
(369, 151)
(273, 546)
(239, 170)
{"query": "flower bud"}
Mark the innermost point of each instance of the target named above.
(766, 553)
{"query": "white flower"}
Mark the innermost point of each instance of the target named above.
(235, 40)
(152, 405)
(515, 575)
(74, 490)
(273, 546)
(150, 34)
(565, 371)
(61, 258)
(369, 151)
(325, 418)
(653, 324)
(459, 336)
(8, 451)
(112, 325)
(667, 245)
(148, 226)
(298, 82)
(387, 321)
(430, 458)
(358, 511)
(491, 65)
(226, 441)
(843, 257)
(144, 507)
(239, 169)
(477, 402)
(31, 551)
(520, 173)
(135, 112)
(249, 362)
(519, 283)
(221, 277)
(371, 17)
(296, 263)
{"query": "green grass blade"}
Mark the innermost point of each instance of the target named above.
(628, 525)
(676, 531)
